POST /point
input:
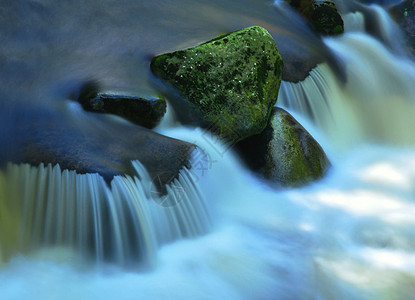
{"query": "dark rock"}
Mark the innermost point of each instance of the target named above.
(284, 153)
(229, 83)
(322, 15)
(89, 90)
(404, 14)
(91, 143)
(301, 48)
(145, 112)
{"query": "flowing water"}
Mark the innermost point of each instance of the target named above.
(219, 233)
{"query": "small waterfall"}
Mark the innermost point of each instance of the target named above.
(361, 110)
(125, 223)
(321, 100)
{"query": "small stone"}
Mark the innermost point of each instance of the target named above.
(146, 112)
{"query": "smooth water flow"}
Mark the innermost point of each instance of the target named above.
(124, 224)
(222, 233)
(375, 104)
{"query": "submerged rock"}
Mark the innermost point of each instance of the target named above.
(285, 153)
(228, 84)
(322, 15)
(146, 112)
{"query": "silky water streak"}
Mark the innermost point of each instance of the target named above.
(124, 223)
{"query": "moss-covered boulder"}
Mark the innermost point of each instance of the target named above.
(229, 83)
(146, 112)
(322, 15)
(284, 153)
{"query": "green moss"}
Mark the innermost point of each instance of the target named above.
(232, 80)
(294, 156)
(338, 29)
(284, 153)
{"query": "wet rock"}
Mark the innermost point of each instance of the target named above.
(404, 15)
(284, 153)
(146, 112)
(322, 15)
(229, 83)
(92, 143)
